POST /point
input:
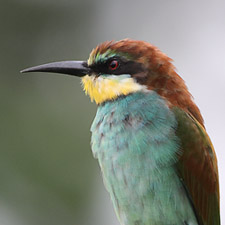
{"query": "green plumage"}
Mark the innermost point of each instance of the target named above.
(134, 139)
(197, 168)
(157, 160)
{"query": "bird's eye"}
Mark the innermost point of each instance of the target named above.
(113, 64)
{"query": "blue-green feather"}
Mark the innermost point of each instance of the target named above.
(134, 140)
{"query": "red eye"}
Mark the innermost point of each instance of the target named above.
(113, 65)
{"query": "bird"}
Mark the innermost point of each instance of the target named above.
(157, 160)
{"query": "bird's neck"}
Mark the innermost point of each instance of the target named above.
(169, 85)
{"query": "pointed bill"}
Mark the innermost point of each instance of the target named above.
(75, 68)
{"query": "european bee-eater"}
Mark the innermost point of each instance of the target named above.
(157, 161)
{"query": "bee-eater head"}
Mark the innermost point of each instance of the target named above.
(120, 68)
(116, 70)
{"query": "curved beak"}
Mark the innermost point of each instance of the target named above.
(75, 68)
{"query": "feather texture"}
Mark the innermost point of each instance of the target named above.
(158, 162)
(197, 168)
(137, 151)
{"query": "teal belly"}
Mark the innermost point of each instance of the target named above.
(134, 140)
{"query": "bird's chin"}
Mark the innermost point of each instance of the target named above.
(109, 87)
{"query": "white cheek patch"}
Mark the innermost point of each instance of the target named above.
(117, 77)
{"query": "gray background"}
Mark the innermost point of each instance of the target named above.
(47, 172)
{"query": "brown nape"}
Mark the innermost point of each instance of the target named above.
(173, 88)
(160, 75)
(166, 82)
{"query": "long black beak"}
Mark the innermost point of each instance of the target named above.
(75, 68)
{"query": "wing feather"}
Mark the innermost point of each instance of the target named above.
(197, 168)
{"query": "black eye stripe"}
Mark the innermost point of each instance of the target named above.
(124, 67)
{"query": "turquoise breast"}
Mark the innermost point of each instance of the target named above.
(134, 140)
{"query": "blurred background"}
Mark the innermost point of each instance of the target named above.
(47, 172)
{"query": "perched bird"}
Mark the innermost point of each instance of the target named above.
(157, 161)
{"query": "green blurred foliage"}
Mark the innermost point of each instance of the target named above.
(46, 166)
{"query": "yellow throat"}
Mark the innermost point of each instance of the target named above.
(105, 88)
